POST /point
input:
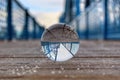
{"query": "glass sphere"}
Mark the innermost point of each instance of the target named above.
(60, 43)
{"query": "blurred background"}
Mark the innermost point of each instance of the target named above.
(46, 12)
(22, 23)
(91, 19)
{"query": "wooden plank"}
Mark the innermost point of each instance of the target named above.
(24, 60)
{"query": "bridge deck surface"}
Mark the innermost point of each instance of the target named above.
(24, 60)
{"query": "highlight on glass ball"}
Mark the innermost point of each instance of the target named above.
(60, 43)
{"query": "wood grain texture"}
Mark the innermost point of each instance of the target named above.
(24, 60)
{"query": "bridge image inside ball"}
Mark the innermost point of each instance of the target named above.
(60, 43)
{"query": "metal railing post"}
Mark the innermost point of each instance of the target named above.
(41, 30)
(106, 19)
(34, 32)
(87, 25)
(77, 7)
(26, 32)
(9, 21)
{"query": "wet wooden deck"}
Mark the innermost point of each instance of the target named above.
(24, 60)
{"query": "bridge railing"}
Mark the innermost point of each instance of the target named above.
(17, 23)
(101, 20)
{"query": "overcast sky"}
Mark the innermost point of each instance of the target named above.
(47, 12)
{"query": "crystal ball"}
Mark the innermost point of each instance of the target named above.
(60, 42)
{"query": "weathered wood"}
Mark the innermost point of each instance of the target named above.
(24, 60)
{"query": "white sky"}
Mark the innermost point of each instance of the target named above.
(47, 12)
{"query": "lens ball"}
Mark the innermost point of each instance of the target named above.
(60, 43)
